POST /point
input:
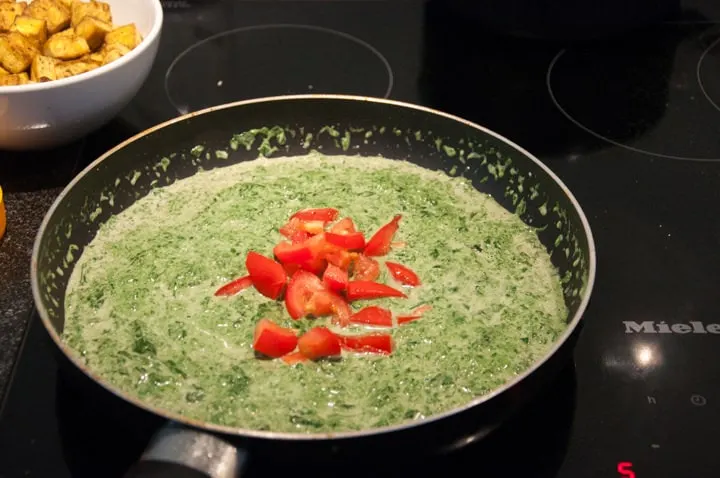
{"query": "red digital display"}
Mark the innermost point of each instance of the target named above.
(625, 469)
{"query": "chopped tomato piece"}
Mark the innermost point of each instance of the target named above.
(360, 289)
(291, 269)
(318, 248)
(375, 343)
(232, 288)
(302, 286)
(320, 214)
(267, 276)
(298, 228)
(289, 253)
(373, 315)
(298, 237)
(366, 268)
(351, 241)
(403, 274)
(273, 340)
(335, 278)
(312, 227)
(379, 243)
(339, 258)
(315, 266)
(414, 315)
(343, 226)
(324, 302)
(293, 358)
(319, 342)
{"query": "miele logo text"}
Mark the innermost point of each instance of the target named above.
(651, 327)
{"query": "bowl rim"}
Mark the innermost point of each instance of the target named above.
(149, 39)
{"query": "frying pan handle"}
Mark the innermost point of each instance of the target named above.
(179, 452)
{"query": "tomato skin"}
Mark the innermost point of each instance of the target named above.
(365, 268)
(360, 290)
(268, 276)
(293, 358)
(352, 241)
(403, 274)
(373, 315)
(325, 214)
(232, 288)
(303, 285)
(272, 340)
(289, 253)
(374, 343)
(380, 243)
(335, 278)
(319, 342)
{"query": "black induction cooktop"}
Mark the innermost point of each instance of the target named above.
(630, 123)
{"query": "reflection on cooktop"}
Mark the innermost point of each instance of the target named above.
(708, 70)
(644, 96)
(268, 60)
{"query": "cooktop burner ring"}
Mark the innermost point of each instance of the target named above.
(557, 103)
(336, 61)
(698, 73)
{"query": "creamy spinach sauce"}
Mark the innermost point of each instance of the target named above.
(140, 308)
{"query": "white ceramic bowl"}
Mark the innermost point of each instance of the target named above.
(44, 115)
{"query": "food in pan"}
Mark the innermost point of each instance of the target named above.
(47, 40)
(189, 298)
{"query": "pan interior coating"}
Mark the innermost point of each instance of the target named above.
(141, 313)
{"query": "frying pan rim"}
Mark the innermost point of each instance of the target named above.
(270, 435)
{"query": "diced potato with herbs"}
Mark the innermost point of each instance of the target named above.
(65, 69)
(14, 80)
(16, 52)
(93, 31)
(33, 29)
(97, 57)
(46, 40)
(43, 68)
(55, 14)
(99, 10)
(114, 51)
(125, 35)
(66, 46)
(8, 13)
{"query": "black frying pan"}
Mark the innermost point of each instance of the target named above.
(187, 447)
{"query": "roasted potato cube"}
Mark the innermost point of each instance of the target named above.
(98, 10)
(97, 57)
(65, 47)
(12, 80)
(125, 35)
(8, 13)
(93, 31)
(65, 69)
(67, 3)
(56, 15)
(43, 68)
(31, 28)
(114, 51)
(16, 52)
